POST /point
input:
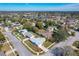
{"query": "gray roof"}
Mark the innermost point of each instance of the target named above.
(38, 41)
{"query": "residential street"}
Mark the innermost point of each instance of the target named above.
(21, 49)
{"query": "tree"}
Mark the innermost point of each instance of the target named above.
(7, 23)
(16, 19)
(1, 19)
(59, 35)
(50, 23)
(0, 46)
(28, 26)
(76, 44)
(39, 25)
(2, 38)
(35, 29)
(69, 51)
(23, 21)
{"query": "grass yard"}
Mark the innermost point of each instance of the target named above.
(11, 54)
(19, 35)
(32, 46)
(47, 43)
(6, 47)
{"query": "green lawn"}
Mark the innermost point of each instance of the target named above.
(19, 35)
(47, 43)
(11, 54)
(33, 46)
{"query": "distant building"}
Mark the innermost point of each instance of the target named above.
(15, 24)
(47, 34)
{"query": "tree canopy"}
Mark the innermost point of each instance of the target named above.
(2, 38)
(59, 35)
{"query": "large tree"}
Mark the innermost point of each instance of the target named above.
(35, 29)
(28, 26)
(59, 35)
(39, 25)
(2, 38)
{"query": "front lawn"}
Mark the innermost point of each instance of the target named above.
(11, 54)
(19, 35)
(33, 46)
(47, 43)
(6, 47)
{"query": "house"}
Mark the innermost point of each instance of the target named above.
(16, 25)
(25, 33)
(47, 34)
(71, 22)
(38, 41)
(51, 28)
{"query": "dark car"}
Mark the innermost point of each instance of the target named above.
(77, 29)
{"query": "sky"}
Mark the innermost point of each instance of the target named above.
(39, 6)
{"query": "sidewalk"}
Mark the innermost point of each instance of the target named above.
(43, 48)
(9, 52)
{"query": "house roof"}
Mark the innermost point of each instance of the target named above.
(26, 33)
(24, 30)
(38, 41)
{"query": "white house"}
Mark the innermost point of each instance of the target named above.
(26, 33)
(38, 41)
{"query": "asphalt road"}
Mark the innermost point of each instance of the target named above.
(21, 49)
